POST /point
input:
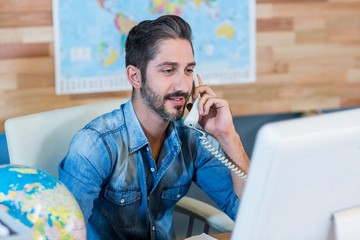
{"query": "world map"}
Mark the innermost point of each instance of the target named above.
(90, 39)
(40, 202)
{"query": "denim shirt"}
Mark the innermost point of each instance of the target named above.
(123, 192)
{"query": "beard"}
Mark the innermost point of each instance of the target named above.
(157, 102)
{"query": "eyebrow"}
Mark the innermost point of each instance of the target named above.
(175, 64)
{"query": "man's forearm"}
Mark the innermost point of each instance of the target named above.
(236, 153)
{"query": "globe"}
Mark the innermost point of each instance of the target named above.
(41, 202)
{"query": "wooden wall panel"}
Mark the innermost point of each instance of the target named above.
(308, 58)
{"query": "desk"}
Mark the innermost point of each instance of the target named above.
(222, 236)
(218, 236)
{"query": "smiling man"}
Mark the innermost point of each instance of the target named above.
(128, 168)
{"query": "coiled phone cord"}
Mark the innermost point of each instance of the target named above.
(219, 156)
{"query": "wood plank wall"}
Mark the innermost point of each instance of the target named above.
(308, 58)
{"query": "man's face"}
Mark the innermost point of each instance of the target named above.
(167, 86)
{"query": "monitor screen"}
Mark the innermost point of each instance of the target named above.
(302, 171)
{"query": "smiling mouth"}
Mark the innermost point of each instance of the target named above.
(177, 100)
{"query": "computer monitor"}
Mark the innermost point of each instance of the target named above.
(302, 171)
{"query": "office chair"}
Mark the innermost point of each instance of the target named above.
(41, 140)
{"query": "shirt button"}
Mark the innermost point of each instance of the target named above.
(152, 169)
(153, 228)
(122, 200)
(147, 149)
(178, 196)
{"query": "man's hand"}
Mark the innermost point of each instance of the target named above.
(216, 117)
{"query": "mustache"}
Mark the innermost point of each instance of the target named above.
(177, 94)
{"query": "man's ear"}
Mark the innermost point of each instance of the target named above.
(133, 75)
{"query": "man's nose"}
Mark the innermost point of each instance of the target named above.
(181, 82)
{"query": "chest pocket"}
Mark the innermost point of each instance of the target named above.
(120, 206)
(170, 196)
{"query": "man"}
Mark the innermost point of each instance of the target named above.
(128, 168)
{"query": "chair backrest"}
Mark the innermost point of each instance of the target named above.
(41, 140)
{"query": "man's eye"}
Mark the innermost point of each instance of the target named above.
(190, 70)
(168, 71)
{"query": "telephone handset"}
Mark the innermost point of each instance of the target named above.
(193, 117)
(191, 121)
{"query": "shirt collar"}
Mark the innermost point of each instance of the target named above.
(137, 138)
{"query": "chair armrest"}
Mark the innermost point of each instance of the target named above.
(205, 212)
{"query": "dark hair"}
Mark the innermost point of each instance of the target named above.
(142, 43)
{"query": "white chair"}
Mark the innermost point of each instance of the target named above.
(41, 140)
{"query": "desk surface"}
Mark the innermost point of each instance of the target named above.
(218, 236)
(222, 236)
